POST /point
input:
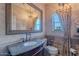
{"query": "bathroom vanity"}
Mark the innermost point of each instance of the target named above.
(17, 23)
(29, 48)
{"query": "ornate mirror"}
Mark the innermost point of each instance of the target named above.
(23, 18)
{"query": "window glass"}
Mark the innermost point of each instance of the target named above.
(57, 22)
(37, 26)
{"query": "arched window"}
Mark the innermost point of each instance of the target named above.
(57, 22)
(37, 25)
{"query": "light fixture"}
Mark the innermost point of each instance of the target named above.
(64, 7)
(65, 12)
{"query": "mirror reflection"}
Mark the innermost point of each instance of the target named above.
(25, 17)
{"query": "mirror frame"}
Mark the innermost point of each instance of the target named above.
(8, 20)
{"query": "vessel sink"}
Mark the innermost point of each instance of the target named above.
(31, 43)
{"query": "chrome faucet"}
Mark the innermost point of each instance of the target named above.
(28, 39)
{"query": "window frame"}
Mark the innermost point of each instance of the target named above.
(53, 25)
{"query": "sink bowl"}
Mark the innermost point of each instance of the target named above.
(30, 43)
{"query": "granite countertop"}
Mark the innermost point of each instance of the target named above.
(19, 48)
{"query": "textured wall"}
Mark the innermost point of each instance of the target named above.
(75, 18)
(51, 8)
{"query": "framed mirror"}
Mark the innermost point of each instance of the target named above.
(23, 18)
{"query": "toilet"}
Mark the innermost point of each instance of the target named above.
(73, 52)
(52, 51)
